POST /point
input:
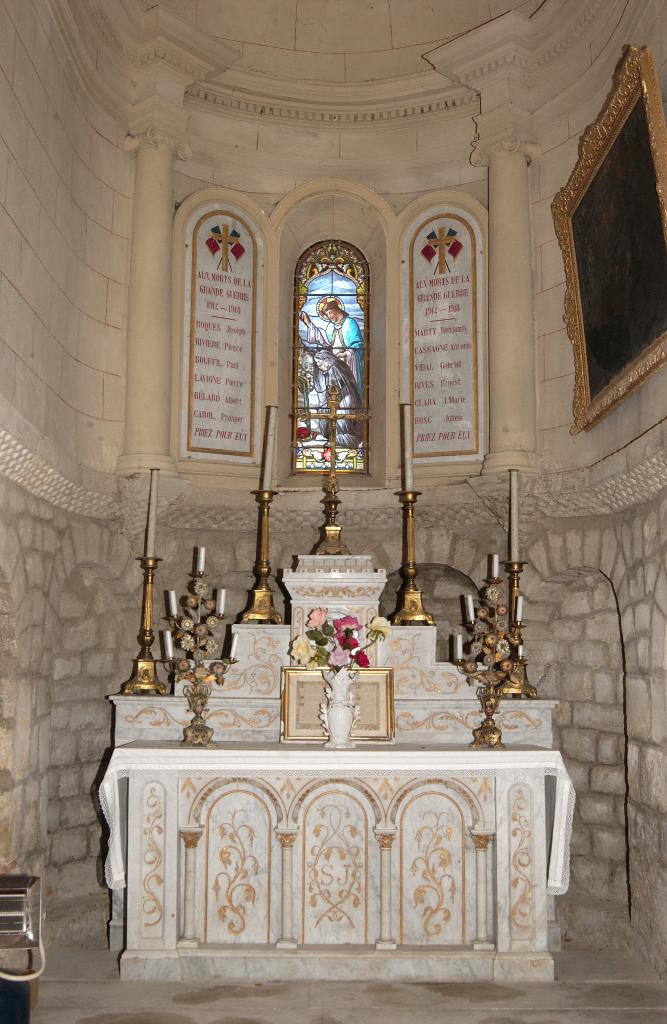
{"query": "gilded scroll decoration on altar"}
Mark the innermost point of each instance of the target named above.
(262, 676)
(232, 887)
(335, 866)
(522, 915)
(152, 909)
(437, 888)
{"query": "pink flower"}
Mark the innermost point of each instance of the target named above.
(347, 622)
(361, 659)
(347, 641)
(339, 657)
(317, 617)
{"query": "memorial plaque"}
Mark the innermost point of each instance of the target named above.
(221, 336)
(445, 336)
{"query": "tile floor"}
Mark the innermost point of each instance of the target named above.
(594, 987)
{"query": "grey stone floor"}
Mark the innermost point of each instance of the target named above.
(594, 987)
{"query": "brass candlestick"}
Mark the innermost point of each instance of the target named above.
(516, 684)
(330, 542)
(261, 604)
(144, 679)
(410, 610)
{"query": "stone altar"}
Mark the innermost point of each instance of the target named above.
(262, 860)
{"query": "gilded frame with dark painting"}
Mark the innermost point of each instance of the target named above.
(611, 224)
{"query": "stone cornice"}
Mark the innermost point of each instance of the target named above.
(334, 110)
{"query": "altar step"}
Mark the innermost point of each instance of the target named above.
(335, 963)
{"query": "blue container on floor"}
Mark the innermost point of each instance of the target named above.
(14, 1002)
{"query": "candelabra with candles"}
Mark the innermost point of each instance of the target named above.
(144, 679)
(261, 608)
(193, 631)
(410, 609)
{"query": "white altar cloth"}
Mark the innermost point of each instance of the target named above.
(232, 760)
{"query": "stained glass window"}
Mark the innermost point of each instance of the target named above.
(331, 291)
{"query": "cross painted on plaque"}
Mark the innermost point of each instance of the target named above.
(222, 241)
(442, 243)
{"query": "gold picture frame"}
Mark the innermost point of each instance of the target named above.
(611, 224)
(303, 692)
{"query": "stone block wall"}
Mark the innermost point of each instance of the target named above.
(65, 221)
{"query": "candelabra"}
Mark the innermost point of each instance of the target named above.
(261, 605)
(410, 610)
(194, 633)
(489, 663)
(144, 679)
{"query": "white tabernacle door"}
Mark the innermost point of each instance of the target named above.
(416, 859)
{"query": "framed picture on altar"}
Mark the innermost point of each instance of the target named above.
(303, 692)
(611, 224)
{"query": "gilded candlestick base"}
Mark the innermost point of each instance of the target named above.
(411, 611)
(330, 531)
(198, 733)
(488, 734)
(261, 608)
(144, 680)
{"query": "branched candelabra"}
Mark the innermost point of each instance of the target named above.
(193, 632)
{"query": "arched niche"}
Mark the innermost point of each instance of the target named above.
(353, 214)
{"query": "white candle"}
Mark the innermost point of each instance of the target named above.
(495, 565)
(168, 644)
(408, 425)
(269, 448)
(235, 643)
(514, 515)
(151, 525)
(470, 608)
(220, 601)
(519, 651)
(519, 608)
(201, 559)
(458, 647)
(172, 604)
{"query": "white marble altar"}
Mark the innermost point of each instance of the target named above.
(242, 858)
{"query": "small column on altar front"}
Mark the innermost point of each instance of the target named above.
(287, 838)
(190, 839)
(482, 840)
(385, 838)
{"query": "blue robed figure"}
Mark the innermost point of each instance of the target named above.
(342, 335)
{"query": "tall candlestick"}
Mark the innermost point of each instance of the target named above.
(201, 559)
(458, 647)
(470, 608)
(151, 525)
(172, 603)
(408, 424)
(494, 563)
(269, 448)
(168, 644)
(514, 515)
(220, 601)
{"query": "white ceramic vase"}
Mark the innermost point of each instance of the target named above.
(339, 713)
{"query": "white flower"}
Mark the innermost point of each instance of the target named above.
(301, 649)
(186, 643)
(379, 625)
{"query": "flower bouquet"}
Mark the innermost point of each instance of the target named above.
(334, 647)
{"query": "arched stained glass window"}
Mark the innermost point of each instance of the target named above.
(331, 292)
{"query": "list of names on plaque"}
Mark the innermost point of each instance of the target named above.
(443, 307)
(222, 336)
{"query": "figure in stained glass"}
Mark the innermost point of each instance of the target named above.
(331, 303)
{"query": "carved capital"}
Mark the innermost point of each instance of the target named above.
(287, 839)
(385, 839)
(154, 136)
(481, 840)
(190, 839)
